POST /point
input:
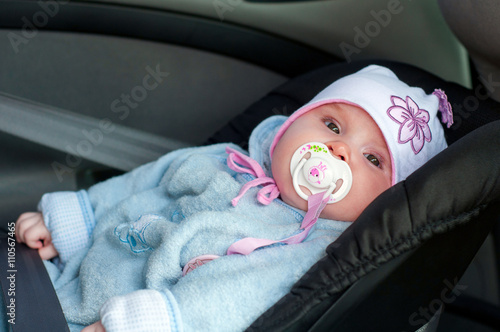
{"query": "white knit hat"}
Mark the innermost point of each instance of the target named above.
(406, 115)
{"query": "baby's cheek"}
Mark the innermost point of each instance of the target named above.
(344, 210)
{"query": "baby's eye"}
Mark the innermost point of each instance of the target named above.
(333, 127)
(371, 158)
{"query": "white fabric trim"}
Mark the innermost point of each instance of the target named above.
(70, 220)
(144, 310)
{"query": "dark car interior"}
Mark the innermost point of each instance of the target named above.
(92, 89)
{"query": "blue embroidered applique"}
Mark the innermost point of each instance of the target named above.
(134, 233)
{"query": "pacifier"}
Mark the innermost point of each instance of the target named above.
(313, 167)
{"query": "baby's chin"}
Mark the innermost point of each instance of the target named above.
(295, 201)
(347, 209)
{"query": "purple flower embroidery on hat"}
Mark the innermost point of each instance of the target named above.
(413, 120)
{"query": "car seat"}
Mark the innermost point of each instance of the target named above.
(396, 265)
(400, 263)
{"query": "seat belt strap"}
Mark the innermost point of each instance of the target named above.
(98, 140)
(30, 299)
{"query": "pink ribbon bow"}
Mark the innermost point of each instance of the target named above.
(266, 195)
(269, 191)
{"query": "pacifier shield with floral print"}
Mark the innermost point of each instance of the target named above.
(315, 168)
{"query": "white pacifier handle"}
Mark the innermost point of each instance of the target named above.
(320, 172)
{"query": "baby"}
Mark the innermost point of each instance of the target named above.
(162, 247)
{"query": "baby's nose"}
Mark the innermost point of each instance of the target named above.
(340, 150)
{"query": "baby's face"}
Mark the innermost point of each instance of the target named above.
(351, 135)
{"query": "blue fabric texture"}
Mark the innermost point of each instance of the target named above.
(151, 221)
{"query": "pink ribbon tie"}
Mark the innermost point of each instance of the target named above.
(268, 193)
(315, 204)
